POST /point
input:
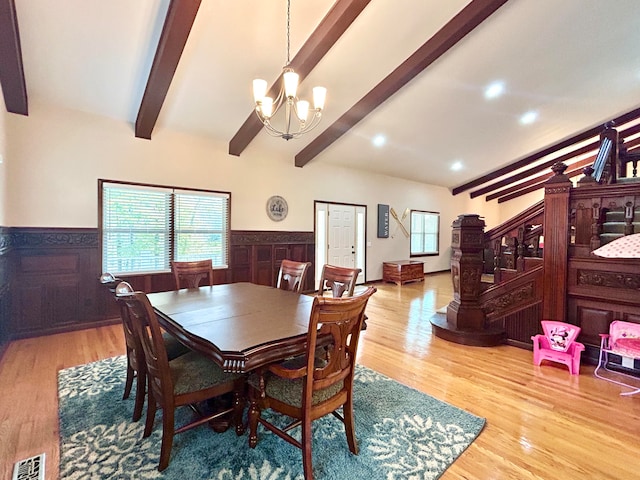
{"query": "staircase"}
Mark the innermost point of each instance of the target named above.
(615, 225)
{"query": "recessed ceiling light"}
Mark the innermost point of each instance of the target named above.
(494, 90)
(529, 117)
(455, 166)
(379, 140)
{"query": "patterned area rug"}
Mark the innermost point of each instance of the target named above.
(402, 434)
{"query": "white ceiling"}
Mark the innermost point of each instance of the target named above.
(575, 62)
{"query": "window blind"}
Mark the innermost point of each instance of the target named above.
(145, 227)
(202, 222)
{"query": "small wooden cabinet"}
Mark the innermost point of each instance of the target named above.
(403, 271)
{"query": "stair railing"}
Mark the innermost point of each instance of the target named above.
(513, 241)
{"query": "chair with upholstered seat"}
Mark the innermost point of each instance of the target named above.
(187, 380)
(340, 280)
(136, 367)
(307, 388)
(189, 274)
(292, 275)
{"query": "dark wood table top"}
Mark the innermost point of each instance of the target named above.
(240, 326)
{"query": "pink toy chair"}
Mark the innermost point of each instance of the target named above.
(623, 340)
(558, 345)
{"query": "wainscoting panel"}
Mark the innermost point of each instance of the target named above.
(5, 289)
(257, 255)
(49, 276)
(54, 283)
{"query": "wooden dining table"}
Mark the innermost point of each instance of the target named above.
(240, 326)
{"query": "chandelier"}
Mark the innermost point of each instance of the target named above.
(296, 112)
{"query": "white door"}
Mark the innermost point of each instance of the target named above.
(341, 249)
(340, 237)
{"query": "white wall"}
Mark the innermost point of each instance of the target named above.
(60, 154)
(513, 207)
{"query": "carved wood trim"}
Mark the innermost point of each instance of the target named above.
(23, 238)
(620, 280)
(265, 237)
(5, 241)
(513, 295)
(71, 255)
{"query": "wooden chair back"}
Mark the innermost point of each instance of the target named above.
(327, 382)
(292, 275)
(339, 323)
(147, 329)
(340, 280)
(198, 379)
(189, 274)
(131, 338)
(136, 368)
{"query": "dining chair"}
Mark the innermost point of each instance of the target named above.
(307, 388)
(292, 275)
(136, 367)
(184, 381)
(340, 280)
(189, 274)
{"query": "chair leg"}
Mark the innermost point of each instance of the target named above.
(128, 382)
(602, 362)
(151, 414)
(254, 414)
(633, 392)
(307, 465)
(238, 408)
(349, 425)
(576, 366)
(141, 384)
(167, 437)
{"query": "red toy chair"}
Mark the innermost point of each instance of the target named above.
(558, 345)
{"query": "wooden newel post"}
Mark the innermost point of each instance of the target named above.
(467, 242)
(556, 244)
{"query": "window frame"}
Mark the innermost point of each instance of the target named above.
(424, 213)
(172, 248)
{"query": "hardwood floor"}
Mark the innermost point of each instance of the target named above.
(542, 423)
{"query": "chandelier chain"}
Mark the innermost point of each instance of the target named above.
(288, 31)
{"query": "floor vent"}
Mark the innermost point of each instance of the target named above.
(29, 468)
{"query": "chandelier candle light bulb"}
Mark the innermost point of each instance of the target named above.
(266, 107)
(290, 83)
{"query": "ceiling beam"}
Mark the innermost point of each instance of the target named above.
(455, 30)
(580, 137)
(175, 32)
(538, 181)
(593, 146)
(577, 168)
(330, 29)
(14, 87)
(533, 188)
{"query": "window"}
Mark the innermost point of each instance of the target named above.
(144, 227)
(425, 230)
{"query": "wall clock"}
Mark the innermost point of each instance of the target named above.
(277, 208)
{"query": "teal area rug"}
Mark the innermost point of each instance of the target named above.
(402, 434)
